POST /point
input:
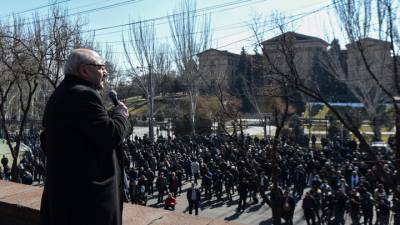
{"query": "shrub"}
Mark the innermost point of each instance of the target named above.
(159, 117)
(181, 125)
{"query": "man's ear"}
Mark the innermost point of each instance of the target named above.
(82, 70)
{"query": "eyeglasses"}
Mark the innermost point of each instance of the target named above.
(99, 66)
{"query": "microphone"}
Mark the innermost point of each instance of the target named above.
(114, 97)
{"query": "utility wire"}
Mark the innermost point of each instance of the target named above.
(273, 28)
(113, 5)
(105, 7)
(34, 9)
(197, 15)
(243, 24)
(202, 10)
(295, 18)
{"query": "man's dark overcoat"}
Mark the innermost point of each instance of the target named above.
(83, 174)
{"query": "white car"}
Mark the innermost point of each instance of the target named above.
(381, 147)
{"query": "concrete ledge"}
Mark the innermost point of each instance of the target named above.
(20, 204)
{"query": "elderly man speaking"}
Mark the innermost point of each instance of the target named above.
(80, 137)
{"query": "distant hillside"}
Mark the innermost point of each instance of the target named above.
(171, 106)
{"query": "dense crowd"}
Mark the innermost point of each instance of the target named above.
(337, 178)
(31, 166)
(332, 180)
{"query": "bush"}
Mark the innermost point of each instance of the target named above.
(334, 128)
(297, 133)
(159, 117)
(181, 125)
(285, 132)
(314, 110)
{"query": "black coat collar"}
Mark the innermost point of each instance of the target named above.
(77, 80)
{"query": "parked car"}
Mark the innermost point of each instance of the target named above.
(381, 147)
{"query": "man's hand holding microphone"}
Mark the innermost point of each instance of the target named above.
(119, 106)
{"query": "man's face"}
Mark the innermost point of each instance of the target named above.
(95, 73)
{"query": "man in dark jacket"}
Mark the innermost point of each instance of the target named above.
(4, 161)
(78, 128)
(309, 208)
(161, 184)
(367, 207)
(288, 207)
(243, 189)
(193, 197)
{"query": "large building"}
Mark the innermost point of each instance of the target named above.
(217, 68)
(308, 53)
(220, 67)
(377, 57)
(303, 48)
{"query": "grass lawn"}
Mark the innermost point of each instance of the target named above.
(5, 150)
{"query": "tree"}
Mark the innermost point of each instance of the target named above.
(377, 57)
(297, 129)
(162, 68)
(215, 83)
(364, 89)
(280, 115)
(141, 39)
(20, 79)
(32, 55)
(288, 61)
(238, 86)
(56, 37)
(190, 35)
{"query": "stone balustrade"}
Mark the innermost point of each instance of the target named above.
(20, 204)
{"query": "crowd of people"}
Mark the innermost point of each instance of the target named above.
(31, 166)
(332, 180)
(337, 178)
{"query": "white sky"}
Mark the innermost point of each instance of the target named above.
(230, 23)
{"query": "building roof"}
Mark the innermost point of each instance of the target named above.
(370, 40)
(299, 37)
(222, 52)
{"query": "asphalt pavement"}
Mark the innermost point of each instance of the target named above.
(259, 213)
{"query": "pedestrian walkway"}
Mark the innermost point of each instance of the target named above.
(224, 210)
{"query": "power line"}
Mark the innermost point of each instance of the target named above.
(34, 9)
(214, 7)
(113, 5)
(90, 4)
(105, 7)
(113, 32)
(306, 14)
(236, 2)
(224, 27)
(300, 16)
(295, 18)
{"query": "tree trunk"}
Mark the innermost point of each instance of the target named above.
(14, 170)
(397, 146)
(150, 105)
(193, 112)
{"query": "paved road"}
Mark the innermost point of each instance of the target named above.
(224, 210)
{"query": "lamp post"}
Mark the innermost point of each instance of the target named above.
(265, 127)
(150, 101)
(326, 127)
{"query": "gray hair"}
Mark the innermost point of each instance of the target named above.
(77, 57)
